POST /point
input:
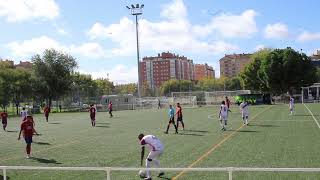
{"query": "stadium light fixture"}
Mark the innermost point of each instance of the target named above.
(136, 10)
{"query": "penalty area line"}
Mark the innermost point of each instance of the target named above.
(315, 120)
(215, 146)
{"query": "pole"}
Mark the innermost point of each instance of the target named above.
(138, 55)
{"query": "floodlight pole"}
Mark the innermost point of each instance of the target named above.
(135, 11)
(138, 55)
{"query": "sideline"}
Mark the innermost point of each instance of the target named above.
(315, 120)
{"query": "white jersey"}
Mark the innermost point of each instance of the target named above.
(223, 110)
(153, 143)
(244, 107)
(24, 114)
(291, 101)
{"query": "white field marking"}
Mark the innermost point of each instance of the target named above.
(315, 120)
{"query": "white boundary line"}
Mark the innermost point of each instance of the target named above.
(315, 120)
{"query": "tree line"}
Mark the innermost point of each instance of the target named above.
(54, 77)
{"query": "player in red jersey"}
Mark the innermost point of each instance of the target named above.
(46, 111)
(92, 111)
(27, 127)
(228, 103)
(4, 118)
(110, 109)
(179, 116)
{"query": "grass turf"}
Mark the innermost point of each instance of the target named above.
(273, 139)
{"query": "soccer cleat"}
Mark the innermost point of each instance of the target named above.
(160, 174)
(28, 156)
(148, 178)
(166, 132)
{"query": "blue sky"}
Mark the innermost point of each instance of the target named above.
(101, 34)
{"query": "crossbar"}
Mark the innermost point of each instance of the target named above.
(108, 170)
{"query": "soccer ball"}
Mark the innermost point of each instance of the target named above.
(142, 174)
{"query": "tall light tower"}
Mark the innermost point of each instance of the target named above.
(136, 10)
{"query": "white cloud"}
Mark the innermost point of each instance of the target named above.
(33, 46)
(259, 47)
(308, 36)
(276, 31)
(121, 74)
(175, 11)
(230, 25)
(22, 10)
(93, 50)
(173, 33)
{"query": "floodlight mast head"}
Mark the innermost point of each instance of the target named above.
(136, 9)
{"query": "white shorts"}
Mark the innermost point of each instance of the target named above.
(223, 118)
(291, 106)
(154, 154)
(245, 114)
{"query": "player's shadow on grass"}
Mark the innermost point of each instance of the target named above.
(55, 123)
(189, 130)
(102, 126)
(165, 178)
(12, 131)
(264, 125)
(1, 177)
(244, 131)
(190, 134)
(46, 161)
(41, 143)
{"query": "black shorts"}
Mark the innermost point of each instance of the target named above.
(179, 119)
(28, 140)
(171, 120)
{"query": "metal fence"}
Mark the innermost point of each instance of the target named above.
(107, 170)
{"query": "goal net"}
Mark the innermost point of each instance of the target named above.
(216, 97)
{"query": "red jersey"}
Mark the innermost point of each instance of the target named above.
(110, 106)
(92, 111)
(228, 103)
(4, 116)
(47, 110)
(27, 128)
(179, 111)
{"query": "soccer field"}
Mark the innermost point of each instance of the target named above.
(273, 139)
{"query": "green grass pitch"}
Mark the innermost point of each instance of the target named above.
(273, 139)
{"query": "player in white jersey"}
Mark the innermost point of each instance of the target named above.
(23, 113)
(223, 115)
(156, 149)
(244, 108)
(291, 105)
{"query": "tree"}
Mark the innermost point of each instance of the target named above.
(105, 86)
(54, 69)
(174, 85)
(130, 88)
(279, 71)
(15, 85)
(233, 84)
